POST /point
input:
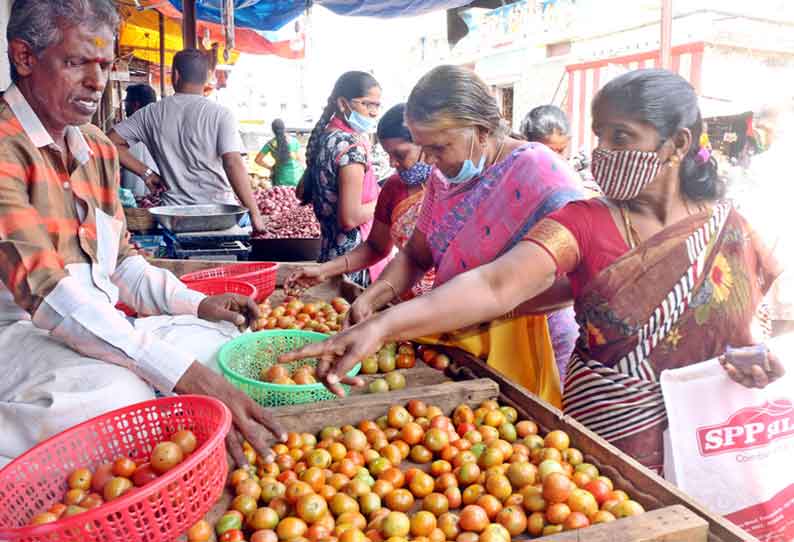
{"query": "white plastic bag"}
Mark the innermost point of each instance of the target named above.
(731, 447)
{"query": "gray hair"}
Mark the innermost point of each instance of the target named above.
(39, 23)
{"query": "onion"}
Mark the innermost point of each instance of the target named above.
(285, 217)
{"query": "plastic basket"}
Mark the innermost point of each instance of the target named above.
(162, 510)
(218, 286)
(242, 359)
(260, 274)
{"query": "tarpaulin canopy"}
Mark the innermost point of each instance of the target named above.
(140, 33)
(273, 14)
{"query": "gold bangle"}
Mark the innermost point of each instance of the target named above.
(390, 285)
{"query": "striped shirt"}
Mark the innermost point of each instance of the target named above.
(64, 259)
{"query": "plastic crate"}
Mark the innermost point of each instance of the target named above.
(260, 274)
(219, 286)
(162, 510)
(242, 359)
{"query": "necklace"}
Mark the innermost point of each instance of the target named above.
(499, 151)
(631, 233)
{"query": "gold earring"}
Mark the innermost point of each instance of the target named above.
(674, 160)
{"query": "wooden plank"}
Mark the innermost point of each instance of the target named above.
(670, 524)
(645, 486)
(351, 410)
(415, 377)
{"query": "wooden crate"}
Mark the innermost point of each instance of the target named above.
(672, 516)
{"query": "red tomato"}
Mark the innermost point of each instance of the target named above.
(232, 535)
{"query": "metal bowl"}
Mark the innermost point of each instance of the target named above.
(188, 218)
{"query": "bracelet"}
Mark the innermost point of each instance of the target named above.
(390, 285)
(347, 264)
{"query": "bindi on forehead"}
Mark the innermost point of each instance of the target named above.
(99, 41)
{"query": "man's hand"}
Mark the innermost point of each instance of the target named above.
(258, 223)
(154, 182)
(248, 417)
(238, 309)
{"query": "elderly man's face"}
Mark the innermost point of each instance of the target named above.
(67, 79)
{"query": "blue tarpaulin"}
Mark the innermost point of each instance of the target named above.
(266, 15)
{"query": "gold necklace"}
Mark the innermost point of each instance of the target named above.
(631, 233)
(499, 151)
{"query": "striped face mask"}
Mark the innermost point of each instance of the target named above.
(622, 175)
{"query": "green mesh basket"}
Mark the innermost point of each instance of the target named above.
(242, 359)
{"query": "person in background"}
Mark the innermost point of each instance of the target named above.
(663, 273)
(137, 97)
(287, 167)
(339, 180)
(66, 354)
(487, 190)
(549, 125)
(194, 141)
(399, 204)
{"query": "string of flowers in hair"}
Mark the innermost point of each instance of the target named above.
(703, 155)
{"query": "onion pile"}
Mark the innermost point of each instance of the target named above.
(285, 217)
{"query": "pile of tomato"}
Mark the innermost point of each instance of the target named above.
(293, 313)
(109, 481)
(415, 474)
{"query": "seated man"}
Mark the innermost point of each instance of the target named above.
(194, 141)
(66, 354)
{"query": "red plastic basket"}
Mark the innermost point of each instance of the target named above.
(162, 510)
(220, 286)
(260, 274)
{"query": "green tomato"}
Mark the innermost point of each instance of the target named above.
(228, 522)
(395, 380)
(370, 365)
(478, 448)
(378, 386)
(507, 431)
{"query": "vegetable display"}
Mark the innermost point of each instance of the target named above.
(284, 216)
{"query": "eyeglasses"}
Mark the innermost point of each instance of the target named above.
(372, 107)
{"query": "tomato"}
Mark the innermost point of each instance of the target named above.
(526, 427)
(74, 496)
(522, 474)
(598, 489)
(405, 361)
(263, 518)
(80, 479)
(580, 479)
(412, 433)
(436, 439)
(232, 535)
(165, 456)
(576, 520)
(507, 431)
(557, 513)
(396, 524)
(280, 506)
(472, 493)
(266, 535)
(355, 439)
(341, 503)
(420, 454)
(602, 516)
(548, 467)
(399, 500)
(534, 503)
(102, 475)
(289, 528)
(228, 522)
(498, 486)
(440, 362)
(92, 500)
(436, 504)
(245, 504)
(116, 487)
(186, 440)
(296, 490)
(513, 519)
(145, 474)
(310, 508)
(42, 518)
(398, 417)
(557, 488)
(449, 525)
(416, 408)
(490, 504)
(491, 457)
(454, 497)
(200, 532)
(445, 481)
(473, 518)
(423, 523)
(588, 468)
(628, 508)
(73, 510)
(422, 485)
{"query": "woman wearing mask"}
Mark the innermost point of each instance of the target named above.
(284, 150)
(339, 180)
(672, 277)
(398, 207)
(493, 189)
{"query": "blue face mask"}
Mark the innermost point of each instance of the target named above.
(416, 174)
(360, 123)
(468, 170)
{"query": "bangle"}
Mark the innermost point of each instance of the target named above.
(390, 285)
(347, 264)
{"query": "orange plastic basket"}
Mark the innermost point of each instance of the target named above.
(260, 274)
(221, 286)
(162, 510)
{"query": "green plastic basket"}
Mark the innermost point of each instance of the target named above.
(242, 359)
